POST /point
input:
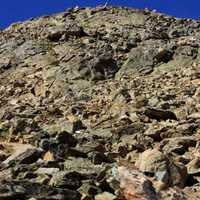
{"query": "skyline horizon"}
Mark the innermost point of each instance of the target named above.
(23, 11)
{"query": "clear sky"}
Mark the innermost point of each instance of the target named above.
(20, 10)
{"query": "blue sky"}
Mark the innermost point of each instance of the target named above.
(20, 10)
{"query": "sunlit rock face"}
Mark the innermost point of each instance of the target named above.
(100, 103)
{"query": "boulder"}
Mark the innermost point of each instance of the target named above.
(153, 162)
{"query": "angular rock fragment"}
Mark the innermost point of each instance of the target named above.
(23, 154)
(84, 166)
(155, 163)
(178, 145)
(66, 138)
(48, 171)
(65, 179)
(134, 185)
(159, 114)
(105, 196)
(152, 160)
(25, 190)
(193, 167)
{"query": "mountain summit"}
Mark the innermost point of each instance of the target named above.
(100, 103)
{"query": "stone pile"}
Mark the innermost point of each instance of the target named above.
(100, 104)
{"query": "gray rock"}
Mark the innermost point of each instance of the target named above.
(55, 33)
(12, 193)
(178, 174)
(84, 166)
(152, 160)
(166, 171)
(162, 176)
(178, 145)
(66, 179)
(25, 190)
(48, 171)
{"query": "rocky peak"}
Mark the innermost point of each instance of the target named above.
(100, 103)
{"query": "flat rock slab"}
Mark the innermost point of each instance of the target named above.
(22, 153)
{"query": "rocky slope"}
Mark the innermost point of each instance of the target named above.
(100, 103)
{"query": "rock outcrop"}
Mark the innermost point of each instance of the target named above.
(100, 103)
